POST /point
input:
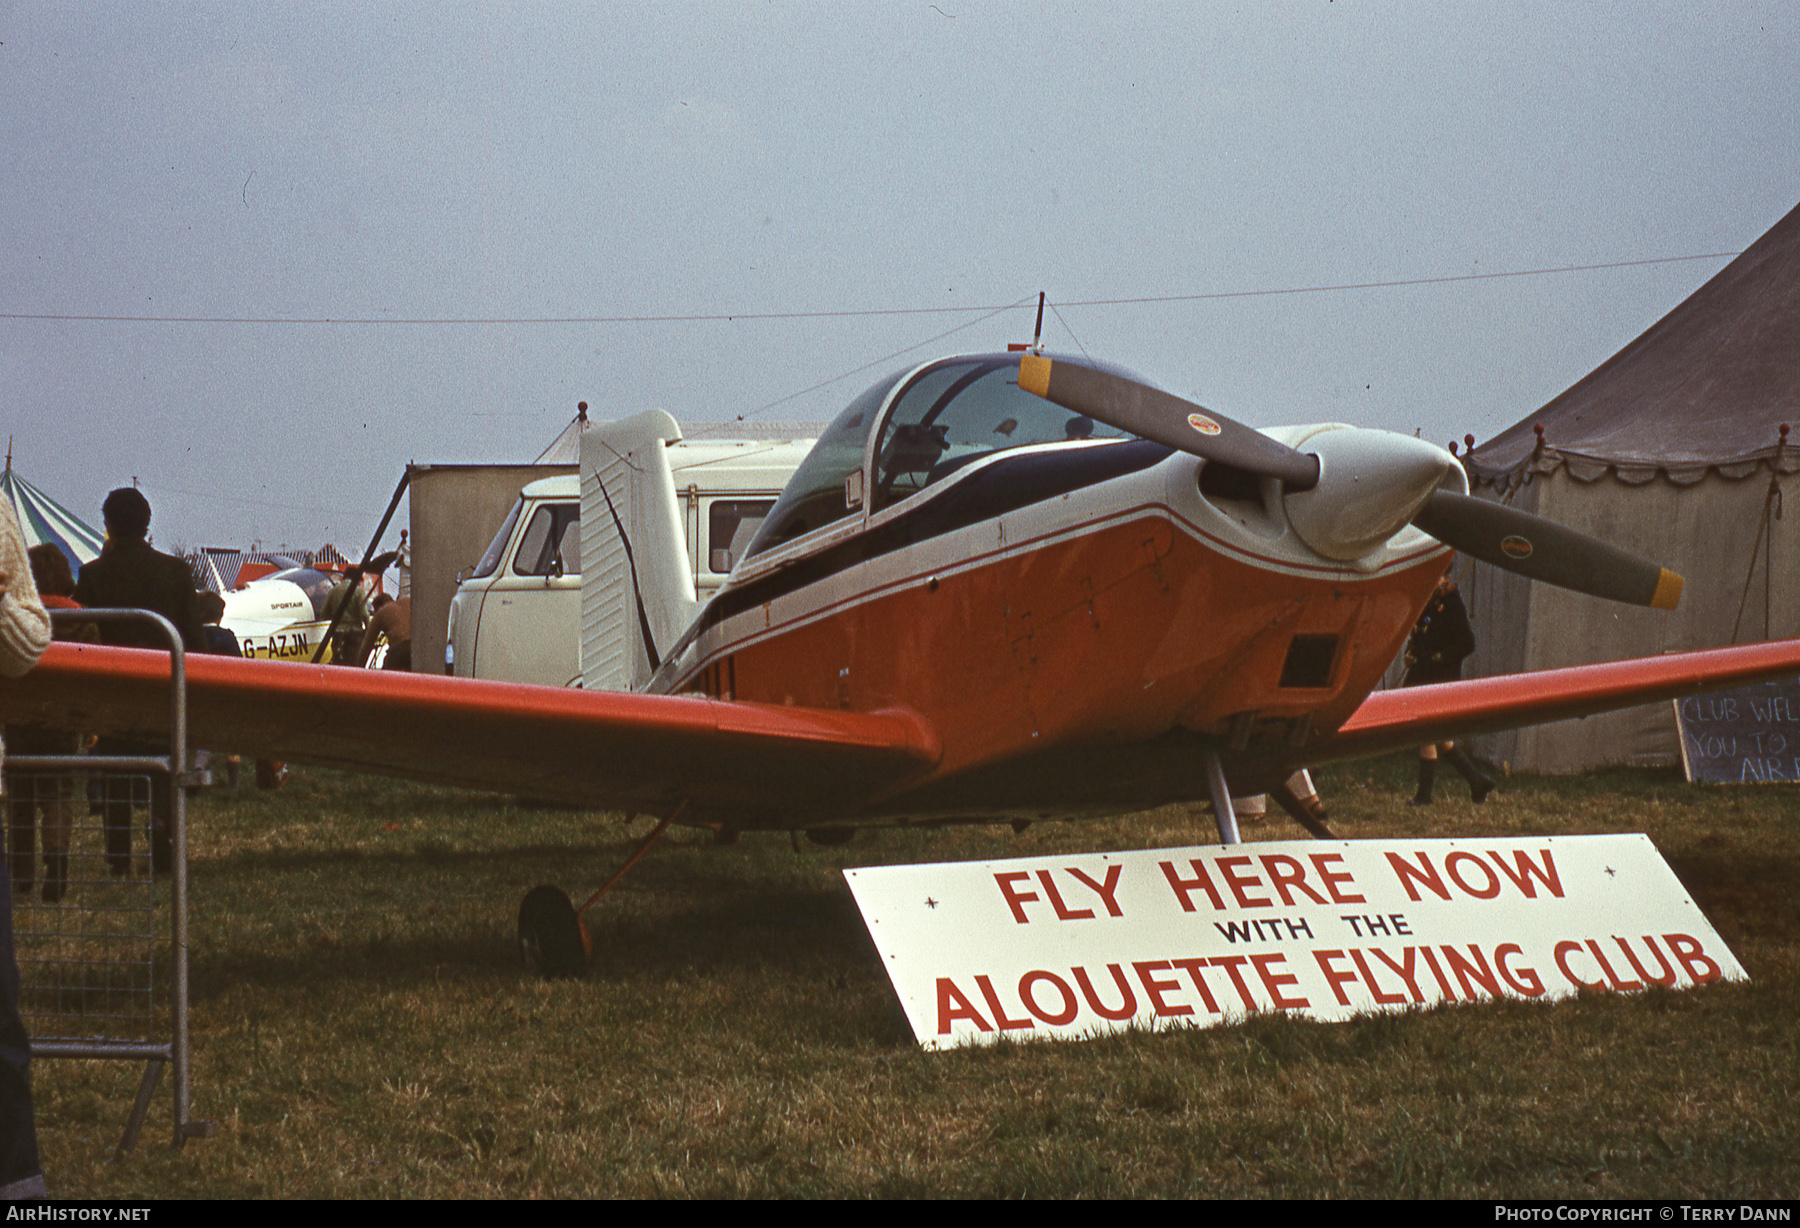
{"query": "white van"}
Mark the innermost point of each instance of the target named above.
(517, 616)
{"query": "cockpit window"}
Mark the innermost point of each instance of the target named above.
(951, 414)
(815, 494)
(959, 411)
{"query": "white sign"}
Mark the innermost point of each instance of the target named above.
(1078, 945)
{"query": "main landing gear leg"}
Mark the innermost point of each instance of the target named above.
(1221, 797)
(553, 935)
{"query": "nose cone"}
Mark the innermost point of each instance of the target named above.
(1370, 484)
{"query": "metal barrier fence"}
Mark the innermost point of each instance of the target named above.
(102, 951)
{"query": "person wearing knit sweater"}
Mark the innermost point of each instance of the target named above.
(24, 634)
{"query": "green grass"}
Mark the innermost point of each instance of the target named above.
(361, 1027)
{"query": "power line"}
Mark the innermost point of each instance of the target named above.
(823, 315)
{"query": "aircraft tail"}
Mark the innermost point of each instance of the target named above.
(637, 582)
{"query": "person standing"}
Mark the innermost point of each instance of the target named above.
(129, 574)
(24, 633)
(394, 620)
(1440, 640)
(51, 795)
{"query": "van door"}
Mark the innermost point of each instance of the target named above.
(531, 615)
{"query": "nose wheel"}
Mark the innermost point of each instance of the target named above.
(550, 934)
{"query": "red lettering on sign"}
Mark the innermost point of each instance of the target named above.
(1337, 980)
(1464, 969)
(1029, 982)
(953, 1006)
(1423, 874)
(1063, 912)
(1607, 968)
(1108, 890)
(1333, 879)
(1192, 968)
(1015, 900)
(1285, 872)
(1362, 966)
(1232, 965)
(1562, 953)
(1687, 949)
(1668, 972)
(1238, 883)
(1404, 968)
(1127, 1007)
(993, 1001)
(1460, 858)
(1155, 988)
(1525, 980)
(1437, 973)
(1524, 870)
(1272, 981)
(1184, 887)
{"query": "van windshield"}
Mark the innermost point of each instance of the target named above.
(490, 562)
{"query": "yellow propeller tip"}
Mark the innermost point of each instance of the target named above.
(1034, 374)
(1668, 591)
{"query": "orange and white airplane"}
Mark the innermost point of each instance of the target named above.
(1001, 587)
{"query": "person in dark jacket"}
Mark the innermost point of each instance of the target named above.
(129, 574)
(1440, 640)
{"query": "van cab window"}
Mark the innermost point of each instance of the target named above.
(552, 540)
(490, 561)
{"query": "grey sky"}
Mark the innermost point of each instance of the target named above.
(535, 161)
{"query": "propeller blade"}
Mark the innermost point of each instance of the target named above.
(1118, 400)
(1540, 549)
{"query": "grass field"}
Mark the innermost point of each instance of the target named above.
(361, 1027)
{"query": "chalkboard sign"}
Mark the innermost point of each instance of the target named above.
(1746, 736)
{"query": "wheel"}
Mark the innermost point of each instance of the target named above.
(550, 934)
(831, 837)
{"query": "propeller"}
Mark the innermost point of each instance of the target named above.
(1369, 484)
(1150, 413)
(1540, 549)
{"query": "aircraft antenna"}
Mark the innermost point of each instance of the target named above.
(1037, 333)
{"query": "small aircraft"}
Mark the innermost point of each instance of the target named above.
(1008, 586)
(284, 615)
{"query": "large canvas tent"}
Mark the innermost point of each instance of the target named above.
(1674, 449)
(42, 519)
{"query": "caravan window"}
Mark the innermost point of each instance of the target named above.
(551, 541)
(730, 524)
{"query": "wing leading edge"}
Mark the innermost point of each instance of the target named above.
(1412, 716)
(749, 764)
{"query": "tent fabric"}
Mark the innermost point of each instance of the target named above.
(565, 449)
(1707, 387)
(1671, 449)
(44, 520)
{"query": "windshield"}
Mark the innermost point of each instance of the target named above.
(959, 411)
(490, 562)
(815, 494)
(315, 584)
(950, 414)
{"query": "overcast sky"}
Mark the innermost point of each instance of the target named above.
(278, 207)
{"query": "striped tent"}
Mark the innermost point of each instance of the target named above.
(42, 519)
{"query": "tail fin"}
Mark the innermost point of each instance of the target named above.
(637, 582)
